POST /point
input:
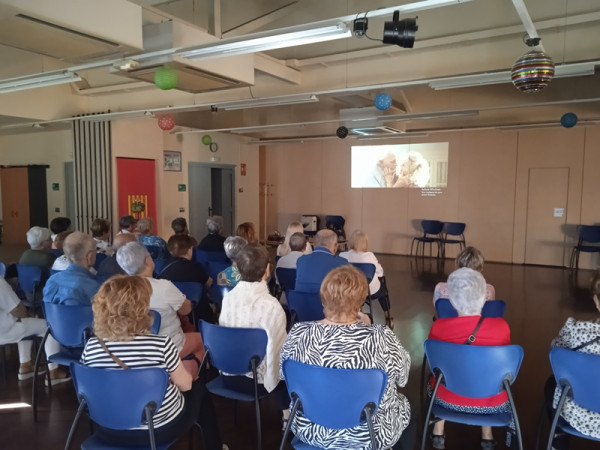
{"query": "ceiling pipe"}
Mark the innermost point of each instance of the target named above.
(527, 22)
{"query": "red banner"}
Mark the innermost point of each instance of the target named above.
(136, 180)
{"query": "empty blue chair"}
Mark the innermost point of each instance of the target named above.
(473, 371)
(333, 398)
(432, 233)
(588, 234)
(235, 351)
(491, 308)
(576, 374)
(457, 232)
(133, 398)
(71, 326)
(286, 278)
(305, 306)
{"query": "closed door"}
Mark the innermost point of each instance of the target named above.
(15, 205)
(546, 216)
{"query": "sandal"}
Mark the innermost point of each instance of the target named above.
(488, 444)
(438, 441)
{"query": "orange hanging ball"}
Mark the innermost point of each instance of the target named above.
(166, 123)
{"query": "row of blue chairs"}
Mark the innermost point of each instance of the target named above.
(441, 234)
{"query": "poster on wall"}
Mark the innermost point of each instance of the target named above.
(136, 184)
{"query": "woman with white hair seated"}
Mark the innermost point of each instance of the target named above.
(231, 275)
(466, 288)
(285, 249)
(213, 241)
(40, 241)
(147, 238)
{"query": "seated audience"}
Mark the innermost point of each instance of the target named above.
(359, 243)
(473, 259)
(75, 285)
(62, 262)
(311, 269)
(146, 238)
(39, 254)
(250, 305)
(109, 266)
(100, 230)
(180, 266)
(122, 323)
(213, 241)
(179, 226)
(169, 301)
(16, 325)
(583, 336)
(297, 245)
(58, 225)
(285, 248)
(231, 276)
(345, 339)
(466, 288)
(127, 225)
(247, 230)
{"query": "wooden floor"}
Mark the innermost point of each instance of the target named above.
(539, 300)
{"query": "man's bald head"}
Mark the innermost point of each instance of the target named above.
(326, 238)
(80, 248)
(121, 239)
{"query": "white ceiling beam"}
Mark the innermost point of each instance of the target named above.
(277, 69)
(262, 21)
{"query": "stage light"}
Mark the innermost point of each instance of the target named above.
(400, 32)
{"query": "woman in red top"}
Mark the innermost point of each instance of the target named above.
(467, 289)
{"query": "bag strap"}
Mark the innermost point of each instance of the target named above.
(585, 344)
(471, 337)
(114, 357)
(167, 266)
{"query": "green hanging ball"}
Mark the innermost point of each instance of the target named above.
(206, 139)
(165, 78)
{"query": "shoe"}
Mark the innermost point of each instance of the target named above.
(26, 371)
(488, 444)
(438, 441)
(59, 375)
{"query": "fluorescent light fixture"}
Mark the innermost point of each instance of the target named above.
(268, 40)
(393, 136)
(35, 81)
(267, 101)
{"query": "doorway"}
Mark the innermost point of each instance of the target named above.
(546, 216)
(211, 194)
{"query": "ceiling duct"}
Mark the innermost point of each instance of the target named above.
(366, 122)
(192, 76)
(72, 31)
(375, 131)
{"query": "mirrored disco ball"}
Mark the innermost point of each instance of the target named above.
(533, 71)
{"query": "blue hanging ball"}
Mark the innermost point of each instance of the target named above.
(383, 101)
(568, 120)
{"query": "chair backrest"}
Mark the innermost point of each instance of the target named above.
(286, 278)
(70, 325)
(474, 370)
(367, 268)
(30, 276)
(580, 370)
(56, 252)
(99, 258)
(454, 228)
(335, 222)
(334, 398)
(491, 308)
(120, 407)
(431, 226)
(589, 233)
(216, 267)
(154, 251)
(191, 289)
(204, 256)
(156, 323)
(2, 269)
(232, 349)
(307, 305)
(218, 292)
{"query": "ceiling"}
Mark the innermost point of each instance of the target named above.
(345, 75)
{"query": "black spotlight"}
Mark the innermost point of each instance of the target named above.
(342, 132)
(400, 32)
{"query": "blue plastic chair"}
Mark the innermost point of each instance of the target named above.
(369, 270)
(133, 398)
(99, 258)
(218, 292)
(57, 252)
(432, 233)
(588, 234)
(31, 283)
(491, 308)
(321, 393)
(305, 306)
(235, 351)
(154, 250)
(473, 371)
(192, 290)
(456, 229)
(216, 267)
(2, 269)
(577, 375)
(204, 257)
(71, 326)
(286, 277)
(156, 323)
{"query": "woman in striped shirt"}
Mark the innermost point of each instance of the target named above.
(122, 322)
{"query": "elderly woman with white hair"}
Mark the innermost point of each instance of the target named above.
(467, 294)
(40, 241)
(284, 248)
(214, 240)
(231, 275)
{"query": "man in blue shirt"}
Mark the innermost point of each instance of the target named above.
(76, 285)
(312, 268)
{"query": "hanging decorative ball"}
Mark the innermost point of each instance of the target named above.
(165, 78)
(383, 101)
(342, 132)
(568, 120)
(206, 139)
(166, 123)
(533, 71)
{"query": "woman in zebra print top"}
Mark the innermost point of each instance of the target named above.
(122, 323)
(344, 340)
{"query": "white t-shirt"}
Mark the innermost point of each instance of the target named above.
(9, 330)
(289, 261)
(366, 257)
(167, 299)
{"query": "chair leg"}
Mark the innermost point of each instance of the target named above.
(35, 372)
(80, 410)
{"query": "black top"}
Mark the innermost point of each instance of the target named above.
(109, 267)
(212, 243)
(181, 269)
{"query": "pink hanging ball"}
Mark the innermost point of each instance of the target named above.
(166, 123)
